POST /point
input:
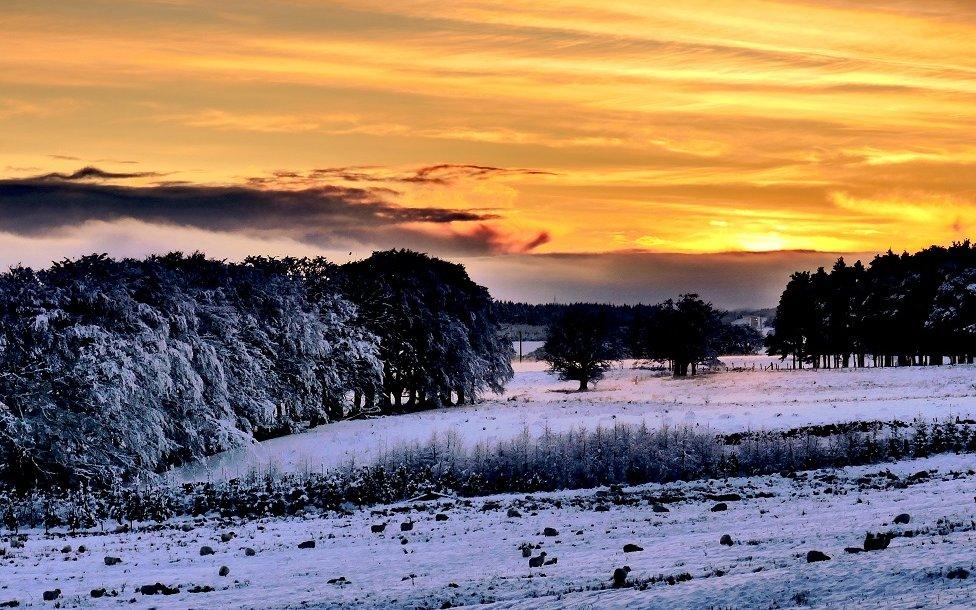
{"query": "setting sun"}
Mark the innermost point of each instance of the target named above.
(553, 127)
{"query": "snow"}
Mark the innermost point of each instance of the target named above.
(474, 556)
(725, 401)
(527, 347)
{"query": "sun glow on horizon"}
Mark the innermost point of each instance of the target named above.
(699, 126)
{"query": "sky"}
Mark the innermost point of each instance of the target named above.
(620, 151)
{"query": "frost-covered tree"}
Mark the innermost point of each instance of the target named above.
(119, 368)
(953, 317)
(439, 340)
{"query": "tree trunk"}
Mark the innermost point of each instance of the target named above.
(583, 385)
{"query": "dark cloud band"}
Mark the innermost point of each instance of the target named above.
(320, 215)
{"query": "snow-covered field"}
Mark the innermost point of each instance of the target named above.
(534, 400)
(473, 557)
(468, 552)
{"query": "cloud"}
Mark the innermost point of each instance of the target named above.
(74, 158)
(17, 108)
(730, 280)
(325, 216)
(444, 174)
(93, 173)
(484, 238)
(539, 240)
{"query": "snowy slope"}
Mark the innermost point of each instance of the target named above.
(534, 400)
(473, 556)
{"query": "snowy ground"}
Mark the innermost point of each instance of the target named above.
(473, 556)
(725, 401)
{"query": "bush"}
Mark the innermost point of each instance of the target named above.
(624, 454)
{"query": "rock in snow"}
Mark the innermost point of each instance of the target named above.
(814, 556)
(620, 576)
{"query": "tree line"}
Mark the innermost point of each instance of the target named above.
(545, 314)
(585, 340)
(899, 310)
(114, 368)
(619, 314)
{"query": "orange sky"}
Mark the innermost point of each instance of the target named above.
(689, 127)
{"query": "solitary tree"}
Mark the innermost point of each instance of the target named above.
(581, 346)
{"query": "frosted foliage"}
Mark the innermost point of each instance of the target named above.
(109, 368)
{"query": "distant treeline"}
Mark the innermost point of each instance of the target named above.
(900, 310)
(115, 368)
(586, 340)
(640, 331)
(545, 314)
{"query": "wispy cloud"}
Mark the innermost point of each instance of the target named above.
(91, 173)
(444, 174)
(693, 126)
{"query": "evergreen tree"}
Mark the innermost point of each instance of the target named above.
(686, 334)
(906, 309)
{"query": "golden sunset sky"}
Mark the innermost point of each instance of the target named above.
(564, 128)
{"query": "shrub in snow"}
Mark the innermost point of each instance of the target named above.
(577, 459)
